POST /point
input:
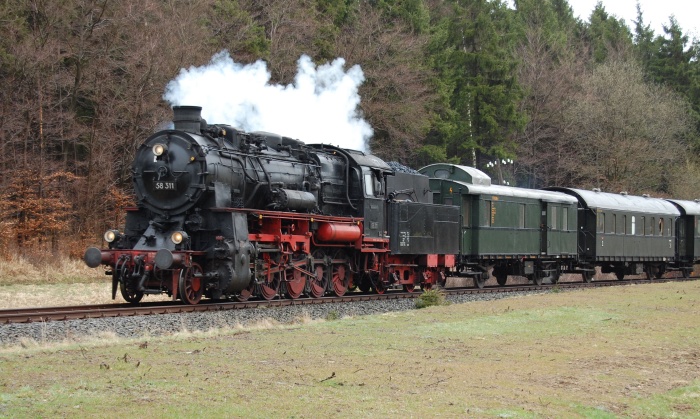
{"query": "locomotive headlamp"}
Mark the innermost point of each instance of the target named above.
(111, 235)
(178, 237)
(160, 149)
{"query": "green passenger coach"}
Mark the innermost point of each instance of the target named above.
(687, 235)
(515, 231)
(624, 234)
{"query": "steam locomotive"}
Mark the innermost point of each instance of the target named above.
(223, 213)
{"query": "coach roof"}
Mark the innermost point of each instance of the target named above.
(475, 182)
(621, 201)
(687, 207)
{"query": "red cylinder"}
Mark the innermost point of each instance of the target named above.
(331, 232)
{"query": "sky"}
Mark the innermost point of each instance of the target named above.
(654, 12)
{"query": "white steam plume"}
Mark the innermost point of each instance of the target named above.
(321, 106)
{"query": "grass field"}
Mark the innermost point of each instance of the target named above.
(617, 352)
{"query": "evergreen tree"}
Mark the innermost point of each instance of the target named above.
(607, 35)
(675, 64)
(644, 43)
(472, 53)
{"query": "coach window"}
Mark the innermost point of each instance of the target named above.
(369, 184)
(642, 225)
(622, 226)
(466, 213)
(521, 215)
(554, 218)
(601, 222)
(565, 219)
(613, 224)
(373, 183)
(650, 226)
(634, 230)
(661, 226)
(486, 216)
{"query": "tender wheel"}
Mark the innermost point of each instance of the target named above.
(190, 285)
(479, 281)
(271, 286)
(319, 282)
(294, 286)
(409, 287)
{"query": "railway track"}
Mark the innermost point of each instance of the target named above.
(49, 314)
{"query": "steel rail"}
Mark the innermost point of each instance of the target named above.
(46, 314)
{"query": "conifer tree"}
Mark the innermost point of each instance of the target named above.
(472, 52)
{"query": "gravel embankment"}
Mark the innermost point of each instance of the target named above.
(157, 325)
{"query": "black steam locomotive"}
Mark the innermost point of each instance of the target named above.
(223, 213)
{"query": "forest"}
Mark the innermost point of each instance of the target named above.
(524, 90)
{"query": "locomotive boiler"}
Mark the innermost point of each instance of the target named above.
(225, 213)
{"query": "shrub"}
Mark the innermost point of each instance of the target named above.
(431, 297)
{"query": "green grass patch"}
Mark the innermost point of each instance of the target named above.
(615, 352)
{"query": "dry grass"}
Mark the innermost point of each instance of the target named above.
(616, 352)
(47, 270)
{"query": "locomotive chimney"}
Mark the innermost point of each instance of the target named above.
(188, 118)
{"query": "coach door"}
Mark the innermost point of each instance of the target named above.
(468, 233)
(551, 228)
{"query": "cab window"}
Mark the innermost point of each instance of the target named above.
(369, 184)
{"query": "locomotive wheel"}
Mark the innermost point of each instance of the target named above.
(295, 283)
(380, 288)
(377, 284)
(269, 289)
(409, 287)
(129, 293)
(318, 282)
(190, 286)
(317, 285)
(364, 285)
(340, 279)
(127, 286)
(246, 293)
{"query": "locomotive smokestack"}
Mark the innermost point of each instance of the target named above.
(188, 118)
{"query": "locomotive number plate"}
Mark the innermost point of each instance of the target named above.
(164, 186)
